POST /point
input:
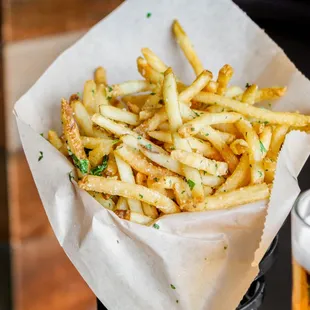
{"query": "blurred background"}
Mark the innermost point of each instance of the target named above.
(35, 273)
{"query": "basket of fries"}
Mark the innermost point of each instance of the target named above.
(165, 185)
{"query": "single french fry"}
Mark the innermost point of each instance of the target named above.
(258, 127)
(270, 169)
(225, 75)
(287, 118)
(187, 47)
(89, 96)
(153, 60)
(151, 75)
(73, 138)
(162, 160)
(211, 87)
(126, 175)
(148, 210)
(137, 141)
(211, 180)
(225, 136)
(95, 156)
(270, 93)
(200, 83)
(205, 148)
(221, 146)
(249, 94)
(239, 146)
(233, 91)
(265, 139)
(101, 97)
(164, 126)
(277, 139)
(119, 115)
(193, 127)
(139, 162)
(92, 143)
(129, 87)
(199, 162)
(100, 76)
(106, 203)
(256, 150)
(239, 178)
(82, 118)
(111, 169)
(138, 99)
(163, 136)
(121, 204)
(99, 132)
(128, 190)
(238, 197)
(56, 142)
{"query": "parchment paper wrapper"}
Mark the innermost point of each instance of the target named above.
(210, 257)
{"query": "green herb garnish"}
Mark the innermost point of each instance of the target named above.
(141, 196)
(149, 147)
(139, 137)
(148, 15)
(155, 179)
(172, 286)
(109, 97)
(42, 134)
(152, 94)
(110, 88)
(81, 164)
(247, 85)
(191, 184)
(41, 156)
(71, 176)
(98, 170)
(260, 173)
(262, 147)
(156, 226)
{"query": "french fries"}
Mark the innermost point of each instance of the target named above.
(153, 147)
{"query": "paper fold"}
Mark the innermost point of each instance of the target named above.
(208, 257)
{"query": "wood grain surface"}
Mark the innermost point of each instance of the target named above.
(26, 19)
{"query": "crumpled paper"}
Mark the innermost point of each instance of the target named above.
(194, 261)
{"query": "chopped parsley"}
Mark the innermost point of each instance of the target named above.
(93, 91)
(109, 97)
(156, 226)
(172, 286)
(78, 94)
(81, 164)
(177, 301)
(98, 170)
(110, 88)
(40, 156)
(183, 192)
(42, 134)
(172, 148)
(191, 184)
(139, 137)
(155, 179)
(192, 129)
(262, 147)
(149, 147)
(206, 134)
(115, 141)
(148, 15)
(152, 94)
(197, 114)
(265, 122)
(216, 165)
(141, 196)
(260, 173)
(70, 176)
(247, 85)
